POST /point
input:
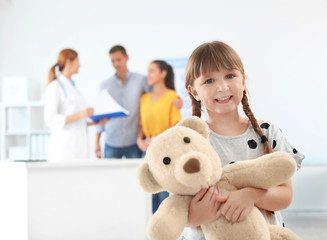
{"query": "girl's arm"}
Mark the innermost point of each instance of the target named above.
(239, 203)
(277, 198)
(205, 205)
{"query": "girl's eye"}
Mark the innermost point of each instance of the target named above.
(230, 76)
(208, 81)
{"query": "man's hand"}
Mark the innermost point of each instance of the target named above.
(98, 150)
(103, 121)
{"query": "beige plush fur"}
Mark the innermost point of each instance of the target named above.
(195, 165)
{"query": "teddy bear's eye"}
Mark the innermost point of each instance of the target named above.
(166, 160)
(187, 139)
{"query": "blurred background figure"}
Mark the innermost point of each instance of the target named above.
(158, 111)
(126, 88)
(66, 111)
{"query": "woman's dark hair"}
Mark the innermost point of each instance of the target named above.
(170, 78)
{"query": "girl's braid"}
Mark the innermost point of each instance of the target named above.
(266, 146)
(247, 110)
(196, 107)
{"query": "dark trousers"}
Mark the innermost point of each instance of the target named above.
(118, 152)
(157, 199)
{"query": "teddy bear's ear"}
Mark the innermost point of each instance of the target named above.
(196, 124)
(146, 179)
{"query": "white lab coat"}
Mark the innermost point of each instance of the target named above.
(68, 141)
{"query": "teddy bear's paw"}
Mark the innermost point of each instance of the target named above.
(281, 233)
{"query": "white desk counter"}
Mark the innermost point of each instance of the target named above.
(91, 200)
(101, 200)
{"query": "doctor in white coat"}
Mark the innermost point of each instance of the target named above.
(66, 111)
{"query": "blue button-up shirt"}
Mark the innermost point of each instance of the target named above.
(122, 132)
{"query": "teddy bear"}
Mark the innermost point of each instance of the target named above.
(182, 161)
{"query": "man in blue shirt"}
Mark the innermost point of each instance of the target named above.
(126, 88)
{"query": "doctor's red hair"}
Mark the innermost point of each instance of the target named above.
(63, 56)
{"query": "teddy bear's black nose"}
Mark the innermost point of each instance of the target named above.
(192, 166)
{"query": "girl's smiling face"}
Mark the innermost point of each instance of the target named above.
(219, 92)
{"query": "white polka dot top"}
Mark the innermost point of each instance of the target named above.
(248, 146)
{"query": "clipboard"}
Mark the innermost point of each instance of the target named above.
(107, 107)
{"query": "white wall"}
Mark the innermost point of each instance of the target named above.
(282, 44)
(2, 10)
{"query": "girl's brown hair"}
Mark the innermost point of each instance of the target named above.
(62, 57)
(211, 57)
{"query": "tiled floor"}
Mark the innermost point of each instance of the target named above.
(308, 228)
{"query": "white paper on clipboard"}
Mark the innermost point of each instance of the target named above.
(106, 106)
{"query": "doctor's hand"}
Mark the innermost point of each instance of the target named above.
(87, 112)
(204, 206)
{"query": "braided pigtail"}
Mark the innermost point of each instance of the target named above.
(266, 145)
(196, 107)
(247, 110)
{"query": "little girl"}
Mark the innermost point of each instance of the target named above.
(215, 79)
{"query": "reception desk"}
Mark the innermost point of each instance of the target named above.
(101, 200)
(85, 200)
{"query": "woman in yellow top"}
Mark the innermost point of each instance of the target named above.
(157, 111)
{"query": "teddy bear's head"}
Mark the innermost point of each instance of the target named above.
(180, 160)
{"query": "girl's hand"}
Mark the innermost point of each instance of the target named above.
(204, 207)
(240, 203)
(143, 144)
